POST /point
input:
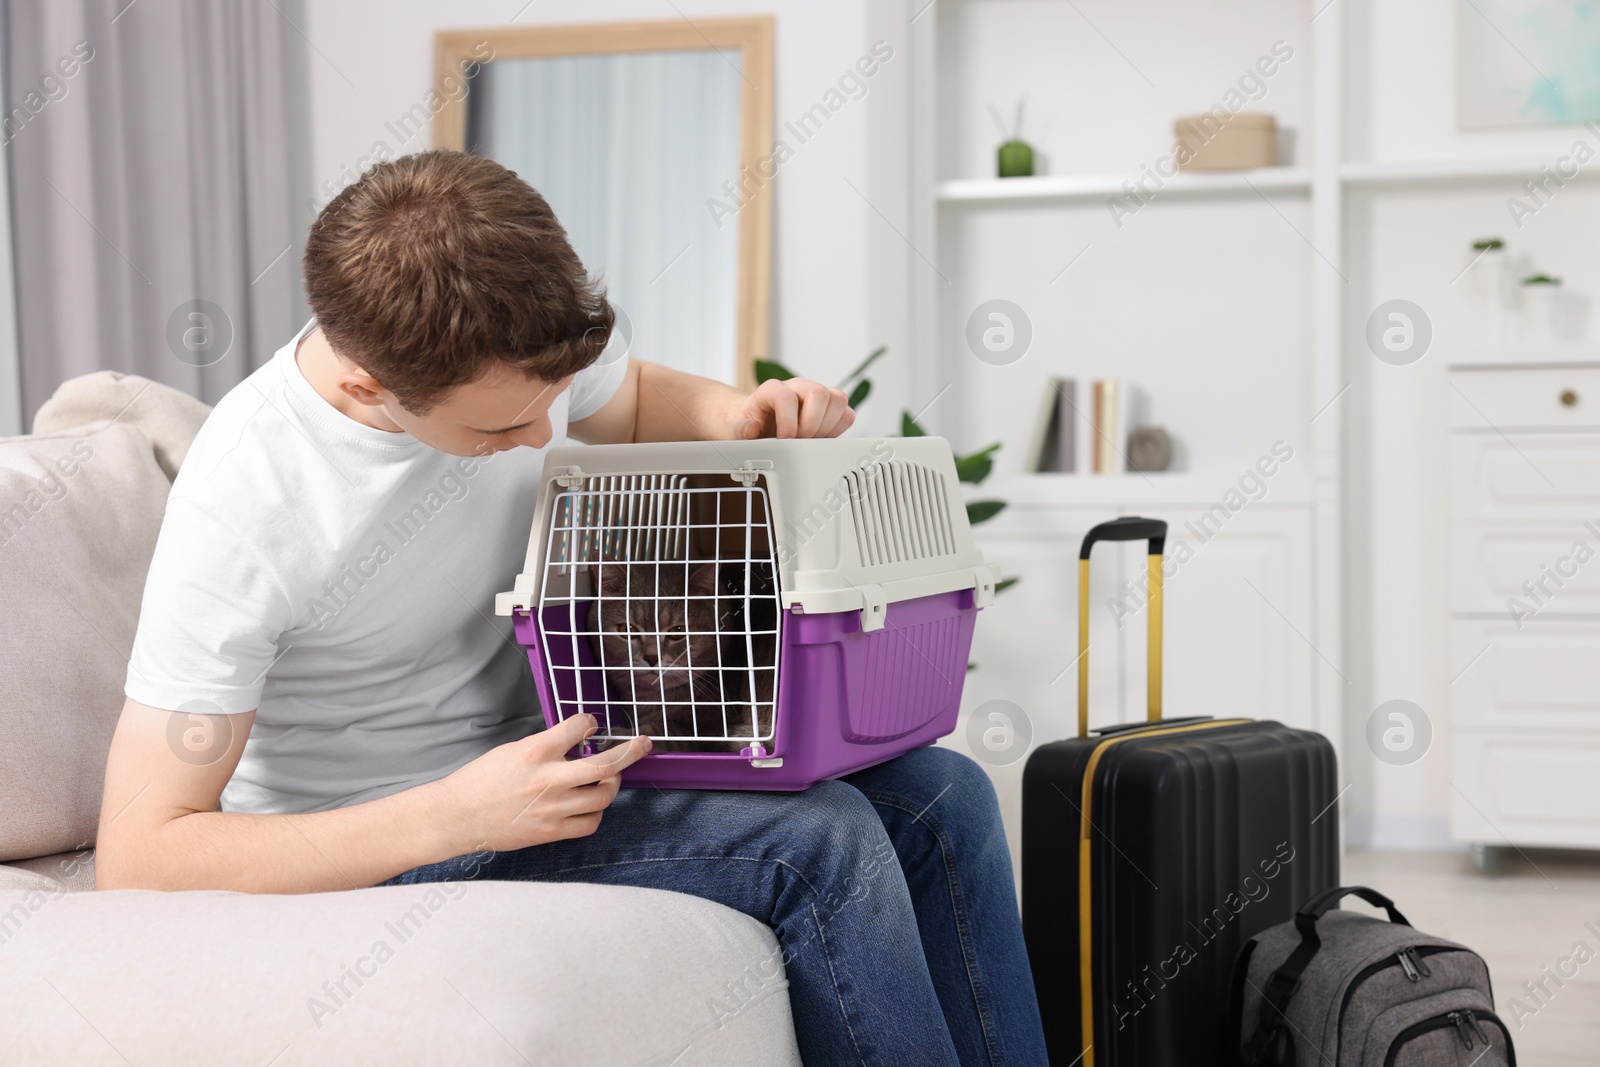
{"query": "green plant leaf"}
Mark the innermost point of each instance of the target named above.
(1005, 583)
(974, 469)
(1487, 244)
(972, 666)
(877, 353)
(860, 392)
(909, 427)
(768, 370)
(984, 510)
(1540, 279)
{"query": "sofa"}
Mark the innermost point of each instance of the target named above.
(479, 972)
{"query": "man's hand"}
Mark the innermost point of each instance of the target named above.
(793, 408)
(656, 403)
(160, 827)
(528, 793)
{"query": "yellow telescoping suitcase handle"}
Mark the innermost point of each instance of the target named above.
(1130, 528)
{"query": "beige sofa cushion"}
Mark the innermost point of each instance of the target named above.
(167, 418)
(491, 973)
(79, 513)
(72, 871)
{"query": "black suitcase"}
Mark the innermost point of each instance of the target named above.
(1151, 852)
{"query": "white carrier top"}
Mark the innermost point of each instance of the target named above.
(860, 523)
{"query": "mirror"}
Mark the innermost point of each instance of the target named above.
(647, 139)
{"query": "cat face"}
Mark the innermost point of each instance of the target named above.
(654, 643)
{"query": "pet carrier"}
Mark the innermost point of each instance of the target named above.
(770, 613)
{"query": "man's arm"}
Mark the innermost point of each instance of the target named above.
(656, 403)
(160, 827)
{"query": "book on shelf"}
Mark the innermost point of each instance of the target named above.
(1081, 434)
(1112, 397)
(1059, 435)
(1061, 431)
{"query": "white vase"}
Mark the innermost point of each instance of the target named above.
(1539, 312)
(1493, 272)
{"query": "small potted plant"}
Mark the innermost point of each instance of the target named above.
(1492, 270)
(1015, 155)
(1540, 294)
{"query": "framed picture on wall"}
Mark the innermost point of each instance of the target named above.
(1527, 63)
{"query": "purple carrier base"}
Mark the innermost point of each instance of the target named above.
(847, 699)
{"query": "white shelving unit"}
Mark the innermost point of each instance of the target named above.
(1252, 290)
(1100, 186)
(1426, 173)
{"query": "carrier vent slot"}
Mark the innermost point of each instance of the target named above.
(901, 512)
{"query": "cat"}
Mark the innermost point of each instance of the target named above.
(657, 648)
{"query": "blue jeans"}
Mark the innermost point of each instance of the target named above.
(919, 961)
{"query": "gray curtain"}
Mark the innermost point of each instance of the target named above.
(157, 149)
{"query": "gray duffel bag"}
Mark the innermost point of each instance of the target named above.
(1340, 989)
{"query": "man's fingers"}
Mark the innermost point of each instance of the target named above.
(580, 825)
(839, 415)
(596, 797)
(566, 734)
(611, 762)
(785, 413)
(847, 419)
(795, 408)
(814, 413)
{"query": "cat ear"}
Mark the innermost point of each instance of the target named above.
(703, 580)
(613, 577)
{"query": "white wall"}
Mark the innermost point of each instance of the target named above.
(1203, 306)
(1104, 79)
(374, 60)
(1412, 244)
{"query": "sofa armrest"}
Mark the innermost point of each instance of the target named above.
(466, 972)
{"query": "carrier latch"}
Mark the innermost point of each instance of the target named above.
(568, 477)
(750, 470)
(983, 586)
(874, 607)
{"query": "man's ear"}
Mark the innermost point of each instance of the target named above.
(358, 385)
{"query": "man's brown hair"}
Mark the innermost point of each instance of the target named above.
(434, 266)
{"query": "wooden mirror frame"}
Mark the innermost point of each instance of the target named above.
(752, 36)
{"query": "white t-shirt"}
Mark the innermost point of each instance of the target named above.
(340, 580)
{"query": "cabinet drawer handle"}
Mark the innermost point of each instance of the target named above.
(1568, 398)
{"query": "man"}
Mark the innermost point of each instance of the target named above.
(318, 699)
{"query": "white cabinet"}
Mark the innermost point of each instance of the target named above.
(1238, 620)
(1526, 790)
(1542, 678)
(1525, 604)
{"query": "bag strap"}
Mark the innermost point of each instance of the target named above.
(1236, 980)
(1270, 1045)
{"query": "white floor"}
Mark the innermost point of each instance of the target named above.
(1539, 916)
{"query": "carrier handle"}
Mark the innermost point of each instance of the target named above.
(1128, 528)
(1270, 1044)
